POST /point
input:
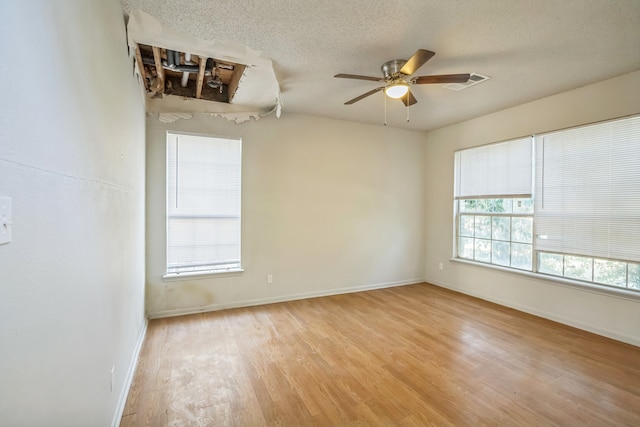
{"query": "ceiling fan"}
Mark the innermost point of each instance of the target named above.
(397, 78)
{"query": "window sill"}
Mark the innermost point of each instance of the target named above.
(176, 277)
(575, 284)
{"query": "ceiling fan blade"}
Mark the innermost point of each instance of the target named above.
(416, 61)
(444, 78)
(408, 99)
(364, 95)
(354, 76)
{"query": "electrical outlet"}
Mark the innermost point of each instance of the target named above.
(113, 369)
(269, 278)
(440, 266)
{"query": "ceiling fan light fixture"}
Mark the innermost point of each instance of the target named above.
(397, 90)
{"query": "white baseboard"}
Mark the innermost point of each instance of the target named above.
(545, 314)
(124, 393)
(280, 298)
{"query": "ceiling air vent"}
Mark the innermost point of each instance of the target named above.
(474, 79)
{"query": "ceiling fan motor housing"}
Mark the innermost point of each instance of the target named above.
(391, 69)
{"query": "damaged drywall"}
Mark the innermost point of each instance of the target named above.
(182, 74)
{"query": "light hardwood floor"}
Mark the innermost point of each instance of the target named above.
(413, 355)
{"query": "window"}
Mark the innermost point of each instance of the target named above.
(203, 204)
(587, 211)
(582, 221)
(497, 231)
(494, 204)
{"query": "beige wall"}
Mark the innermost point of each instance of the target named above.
(605, 314)
(72, 160)
(328, 206)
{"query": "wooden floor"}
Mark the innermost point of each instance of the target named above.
(413, 355)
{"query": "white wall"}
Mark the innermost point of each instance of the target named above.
(604, 314)
(72, 159)
(328, 206)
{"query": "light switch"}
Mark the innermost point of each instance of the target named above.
(5, 220)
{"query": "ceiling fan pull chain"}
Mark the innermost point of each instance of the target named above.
(407, 107)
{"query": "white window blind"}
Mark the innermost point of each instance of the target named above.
(203, 203)
(497, 170)
(588, 190)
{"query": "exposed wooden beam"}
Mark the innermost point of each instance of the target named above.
(235, 80)
(157, 57)
(143, 72)
(201, 70)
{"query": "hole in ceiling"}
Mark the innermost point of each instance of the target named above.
(171, 72)
(184, 74)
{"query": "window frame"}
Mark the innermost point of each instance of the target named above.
(169, 276)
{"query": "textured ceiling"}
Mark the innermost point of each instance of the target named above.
(530, 49)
